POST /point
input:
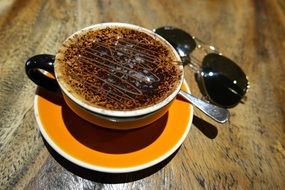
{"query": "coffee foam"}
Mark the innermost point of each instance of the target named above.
(117, 68)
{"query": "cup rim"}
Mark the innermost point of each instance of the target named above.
(120, 113)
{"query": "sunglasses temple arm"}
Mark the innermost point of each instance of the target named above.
(218, 114)
(195, 64)
(192, 62)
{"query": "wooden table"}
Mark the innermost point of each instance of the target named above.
(246, 153)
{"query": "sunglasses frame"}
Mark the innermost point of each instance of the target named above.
(185, 44)
(195, 65)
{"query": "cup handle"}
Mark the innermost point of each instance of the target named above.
(35, 67)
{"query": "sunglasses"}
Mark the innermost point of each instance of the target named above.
(219, 78)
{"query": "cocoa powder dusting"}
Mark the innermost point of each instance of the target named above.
(118, 69)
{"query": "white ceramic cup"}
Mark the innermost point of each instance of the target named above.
(114, 119)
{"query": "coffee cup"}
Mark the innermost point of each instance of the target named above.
(114, 75)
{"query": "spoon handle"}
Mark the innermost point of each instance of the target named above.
(218, 114)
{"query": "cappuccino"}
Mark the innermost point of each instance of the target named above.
(118, 68)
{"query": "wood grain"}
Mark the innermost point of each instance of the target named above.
(247, 153)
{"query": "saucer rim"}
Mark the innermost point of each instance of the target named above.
(109, 169)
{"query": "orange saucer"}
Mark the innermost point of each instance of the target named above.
(108, 150)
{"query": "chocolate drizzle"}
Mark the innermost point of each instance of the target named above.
(119, 69)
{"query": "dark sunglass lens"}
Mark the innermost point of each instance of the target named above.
(179, 39)
(224, 80)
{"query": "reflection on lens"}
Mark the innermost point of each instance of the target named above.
(224, 81)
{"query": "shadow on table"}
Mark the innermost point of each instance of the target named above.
(205, 127)
(101, 177)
